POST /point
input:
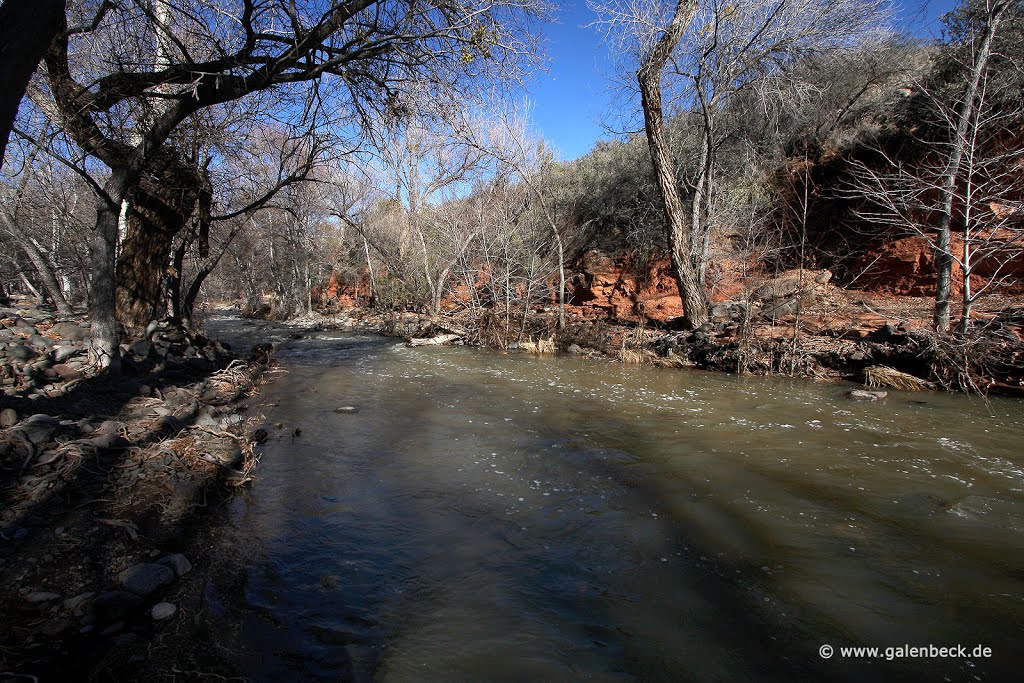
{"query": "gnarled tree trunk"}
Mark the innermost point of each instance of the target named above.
(161, 205)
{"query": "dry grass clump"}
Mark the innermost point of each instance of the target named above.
(541, 346)
(879, 376)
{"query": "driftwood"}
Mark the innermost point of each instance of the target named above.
(439, 340)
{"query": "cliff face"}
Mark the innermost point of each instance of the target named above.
(601, 286)
(906, 267)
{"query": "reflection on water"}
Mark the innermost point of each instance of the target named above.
(507, 517)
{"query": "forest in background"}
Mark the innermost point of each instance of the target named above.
(169, 154)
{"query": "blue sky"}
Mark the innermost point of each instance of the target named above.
(573, 97)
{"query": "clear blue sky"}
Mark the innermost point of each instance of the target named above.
(574, 96)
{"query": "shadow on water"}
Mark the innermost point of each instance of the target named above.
(464, 524)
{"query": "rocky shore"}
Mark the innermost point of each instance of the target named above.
(103, 482)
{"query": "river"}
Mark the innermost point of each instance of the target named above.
(513, 517)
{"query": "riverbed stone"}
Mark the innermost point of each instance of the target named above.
(865, 395)
(163, 610)
(67, 372)
(346, 410)
(20, 352)
(146, 578)
(41, 596)
(70, 331)
(74, 603)
(177, 562)
(115, 605)
(8, 417)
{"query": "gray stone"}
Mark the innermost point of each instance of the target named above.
(70, 331)
(575, 349)
(20, 353)
(823, 277)
(109, 441)
(863, 395)
(178, 562)
(141, 348)
(347, 410)
(78, 601)
(41, 596)
(8, 417)
(62, 353)
(39, 429)
(40, 342)
(163, 610)
(67, 372)
(144, 579)
(110, 427)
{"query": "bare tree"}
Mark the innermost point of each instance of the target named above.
(697, 54)
(964, 182)
(374, 48)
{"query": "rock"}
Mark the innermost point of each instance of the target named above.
(20, 353)
(163, 610)
(39, 429)
(177, 562)
(141, 348)
(67, 372)
(8, 417)
(144, 579)
(41, 596)
(55, 627)
(575, 349)
(864, 395)
(346, 410)
(108, 441)
(823, 277)
(231, 421)
(70, 331)
(80, 600)
(110, 427)
(62, 353)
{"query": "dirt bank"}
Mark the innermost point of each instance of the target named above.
(103, 484)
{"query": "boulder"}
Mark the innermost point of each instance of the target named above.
(177, 562)
(67, 372)
(70, 331)
(146, 578)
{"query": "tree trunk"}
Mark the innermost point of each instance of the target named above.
(966, 111)
(161, 206)
(26, 29)
(691, 290)
(102, 303)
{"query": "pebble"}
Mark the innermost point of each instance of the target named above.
(41, 596)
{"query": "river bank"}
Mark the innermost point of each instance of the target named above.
(875, 350)
(103, 481)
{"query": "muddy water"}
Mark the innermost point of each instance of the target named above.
(507, 517)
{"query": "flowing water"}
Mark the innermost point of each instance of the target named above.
(510, 517)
